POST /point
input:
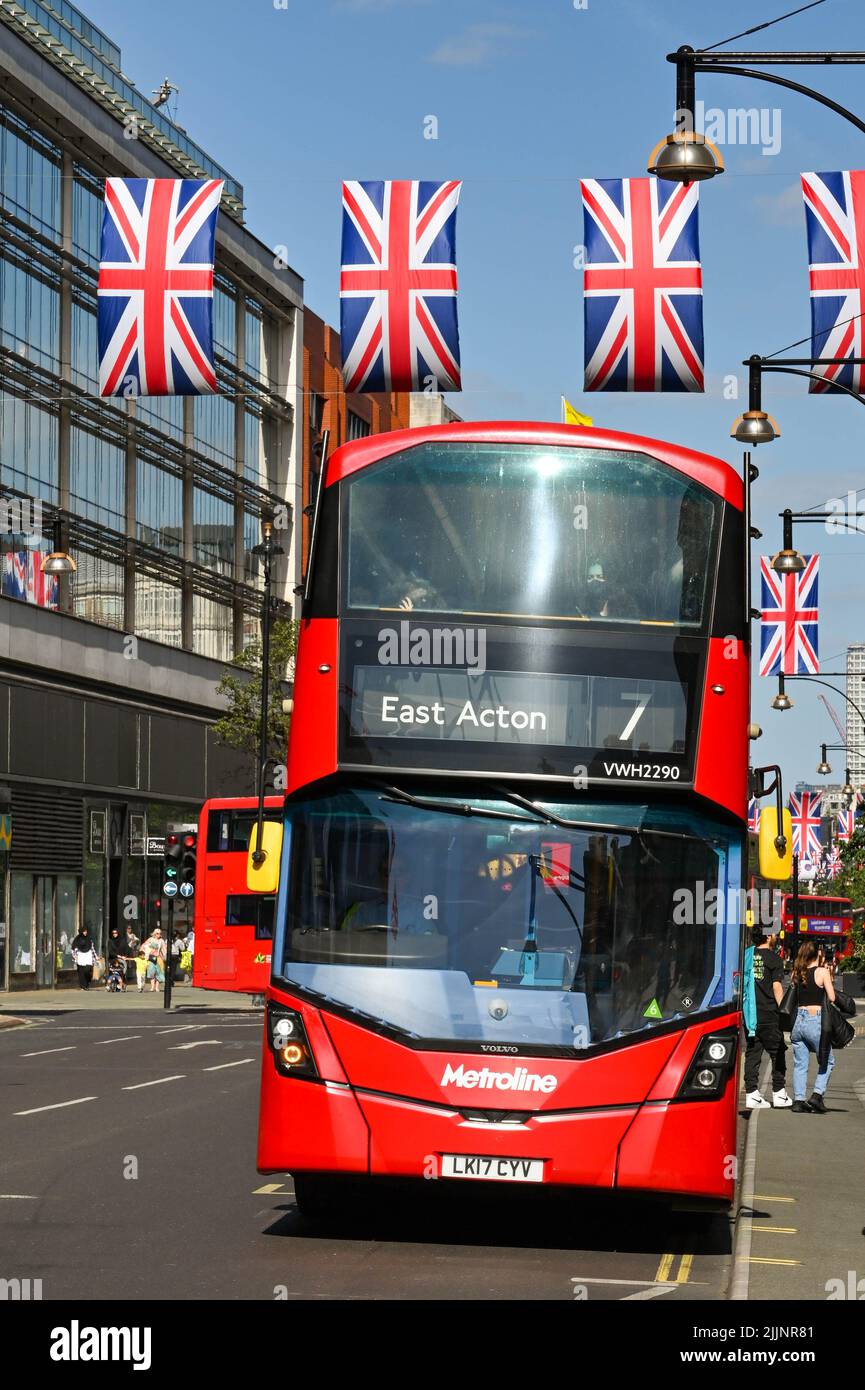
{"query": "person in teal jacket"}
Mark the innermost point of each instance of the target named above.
(749, 1001)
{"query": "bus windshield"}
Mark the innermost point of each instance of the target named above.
(503, 927)
(522, 531)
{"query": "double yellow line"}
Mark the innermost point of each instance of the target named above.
(665, 1269)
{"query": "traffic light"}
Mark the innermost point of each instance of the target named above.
(189, 849)
(173, 857)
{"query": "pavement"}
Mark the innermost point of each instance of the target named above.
(800, 1232)
(18, 1004)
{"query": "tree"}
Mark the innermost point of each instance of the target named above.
(240, 725)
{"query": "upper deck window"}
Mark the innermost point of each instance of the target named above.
(523, 531)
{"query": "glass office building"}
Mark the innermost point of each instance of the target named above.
(108, 679)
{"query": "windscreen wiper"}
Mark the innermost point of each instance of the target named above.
(607, 826)
(452, 808)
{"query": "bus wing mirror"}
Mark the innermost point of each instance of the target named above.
(263, 877)
(776, 844)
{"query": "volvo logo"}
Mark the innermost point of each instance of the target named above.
(498, 1047)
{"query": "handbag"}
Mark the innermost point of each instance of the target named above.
(788, 1007)
(845, 1003)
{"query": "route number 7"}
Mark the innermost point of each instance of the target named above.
(641, 703)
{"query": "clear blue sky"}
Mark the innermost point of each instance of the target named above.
(529, 99)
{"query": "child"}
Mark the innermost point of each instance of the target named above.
(141, 970)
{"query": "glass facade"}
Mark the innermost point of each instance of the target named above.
(213, 532)
(175, 438)
(29, 175)
(159, 507)
(30, 313)
(28, 448)
(211, 628)
(97, 483)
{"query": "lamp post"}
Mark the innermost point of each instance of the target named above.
(266, 550)
(687, 156)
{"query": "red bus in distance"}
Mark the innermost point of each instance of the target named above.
(233, 927)
(823, 918)
(517, 764)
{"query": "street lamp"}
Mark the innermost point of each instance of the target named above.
(687, 155)
(823, 767)
(267, 550)
(787, 560)
(782, 700)
(59, 561)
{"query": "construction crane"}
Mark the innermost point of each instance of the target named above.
(835, 720)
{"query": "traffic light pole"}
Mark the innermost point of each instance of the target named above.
(169, 938)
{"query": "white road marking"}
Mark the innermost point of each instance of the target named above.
(654, 1292)
(201, 1042)
(59, 1106)
(158, 1082)
(630, 1283)
(48, 1051)
(184, 1028)
(103, 1042)
(223, 1065)
(17, 1197)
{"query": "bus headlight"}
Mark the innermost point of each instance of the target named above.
(711, 1067)
(288, 1042)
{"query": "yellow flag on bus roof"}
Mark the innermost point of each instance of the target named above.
(573, 417)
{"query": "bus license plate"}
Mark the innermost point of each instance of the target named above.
(492, 1169)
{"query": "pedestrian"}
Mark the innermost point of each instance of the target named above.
(813, 982)
(141, 970)
(116, 961)
(84, 955)
(766, 973)
(154, 947)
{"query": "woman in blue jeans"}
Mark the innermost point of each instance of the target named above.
(814, 982)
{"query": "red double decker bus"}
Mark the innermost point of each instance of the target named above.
(233, 926)
(823, 918)
(517, 774)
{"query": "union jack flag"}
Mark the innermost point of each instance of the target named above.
(155, 287)
(398, 286)
(753, 816)
(805, 816)
(831, 862)
(788, 626)
(835, 218)
(846, 824)
(643, 295)
(23, 579)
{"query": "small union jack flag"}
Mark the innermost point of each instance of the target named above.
(805, 815)
(831, 862)
(155, 288)
(788, 627)
(753, 816)
(835, 218)
(643, 286)
(846, 824)
(23, 578)
(398, 286)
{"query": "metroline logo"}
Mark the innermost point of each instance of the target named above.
(486, 1080)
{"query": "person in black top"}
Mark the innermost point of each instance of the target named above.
(813, 980)
(768, 1036)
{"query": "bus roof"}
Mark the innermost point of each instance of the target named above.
(713, 473)
(240, 803)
